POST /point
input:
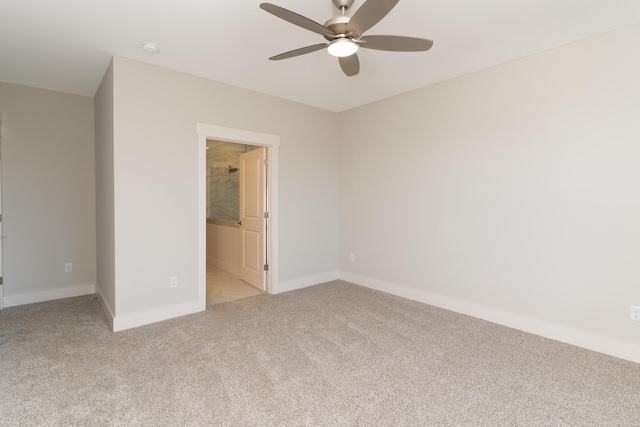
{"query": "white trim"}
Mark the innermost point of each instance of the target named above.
(305, 282)
(223, 265)
(595, 342)
(273, 284)
(33, 297)
(239, 136)
(120, 323)
(272, 142)
(202, 221)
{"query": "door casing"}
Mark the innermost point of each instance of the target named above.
(206, 131)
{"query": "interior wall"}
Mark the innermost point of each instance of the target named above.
(104, 131)
(155, 155)
(47, 194)
(514, 189)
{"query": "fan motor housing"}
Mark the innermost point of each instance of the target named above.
(338, 25)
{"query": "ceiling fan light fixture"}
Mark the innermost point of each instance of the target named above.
(342, 47)
(345, 33)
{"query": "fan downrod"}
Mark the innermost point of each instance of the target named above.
(338, 24)
(346, 4)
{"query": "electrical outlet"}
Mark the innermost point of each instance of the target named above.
(173, 281)
(352, 257)
(635, 313)
(68, 267)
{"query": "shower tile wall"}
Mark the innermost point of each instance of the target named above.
(222, 184)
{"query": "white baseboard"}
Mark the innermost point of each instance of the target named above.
(229, 268)
(595, 342)
(128, 321)
(305, 282)
(53, 294)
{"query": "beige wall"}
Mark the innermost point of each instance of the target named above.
(47, 194)
(156, 179)
(105, 231)
(513, 190)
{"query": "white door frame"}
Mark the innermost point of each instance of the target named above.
(238, 136)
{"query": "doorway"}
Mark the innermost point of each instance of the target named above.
(236, 221)
(271, 144)
(223, 286)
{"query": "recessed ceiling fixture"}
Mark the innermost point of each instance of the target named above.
(150, 47)
(345, 34)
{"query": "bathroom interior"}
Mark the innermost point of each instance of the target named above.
(224, 238)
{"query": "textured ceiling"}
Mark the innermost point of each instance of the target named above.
(66, 45)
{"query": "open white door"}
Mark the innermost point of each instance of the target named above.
(252, 217)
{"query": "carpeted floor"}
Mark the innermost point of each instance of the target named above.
(334, 354)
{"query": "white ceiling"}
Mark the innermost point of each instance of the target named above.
(66, 45)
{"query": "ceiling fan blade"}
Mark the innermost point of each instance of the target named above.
(295, 19)
(350, 64)
(396, 43)
(369, 14)
(298, 52)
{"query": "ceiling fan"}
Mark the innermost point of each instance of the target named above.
(344, 34)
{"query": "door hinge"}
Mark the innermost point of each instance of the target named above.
(266, 214)
(264, 162)
(266, 267)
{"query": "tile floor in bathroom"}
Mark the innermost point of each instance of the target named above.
(223, 286)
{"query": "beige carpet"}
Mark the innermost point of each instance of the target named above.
(334, 354)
